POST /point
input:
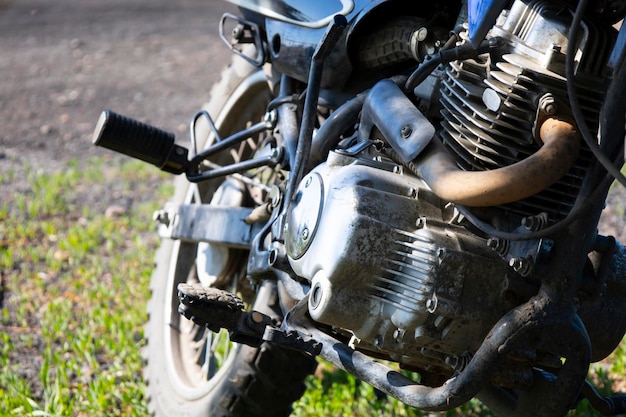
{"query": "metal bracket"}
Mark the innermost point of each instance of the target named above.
(207, 223)
(244, 32)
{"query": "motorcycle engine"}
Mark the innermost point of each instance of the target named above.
(392, 263)
(387, 261)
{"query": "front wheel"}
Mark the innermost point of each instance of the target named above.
(189, 370)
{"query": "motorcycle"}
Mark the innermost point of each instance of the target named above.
(393, 185)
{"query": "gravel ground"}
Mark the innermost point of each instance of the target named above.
(62, 62)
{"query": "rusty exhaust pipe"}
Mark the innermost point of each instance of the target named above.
(561, 144)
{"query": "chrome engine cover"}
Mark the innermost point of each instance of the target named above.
(387, 262)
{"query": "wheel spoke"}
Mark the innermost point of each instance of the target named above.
(197, 355)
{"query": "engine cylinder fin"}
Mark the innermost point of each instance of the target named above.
(502, 144)
(489, 158)
(468, 98)
(497, 131)
(472, 114)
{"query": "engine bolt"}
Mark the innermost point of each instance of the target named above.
(305, 233)
(501, 246)
(432, 304)
(547, 103)
(275, 196)
(420, 222)
(406, 131)
(237, 32)
(316, 296)
(398, 334)
(535, 223)
(521, 265)
(378, 341)
(421, 34)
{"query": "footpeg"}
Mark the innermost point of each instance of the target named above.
(140, 140)
(293, 339)
(217, 309)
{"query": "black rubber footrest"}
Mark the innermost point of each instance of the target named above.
(140, 140)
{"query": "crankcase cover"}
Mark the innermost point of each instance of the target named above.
(385, 262)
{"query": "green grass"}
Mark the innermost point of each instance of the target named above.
(76, 285)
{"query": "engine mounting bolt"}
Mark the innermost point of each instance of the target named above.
(453, 361)
(521, 265)
(237, 32)
(276, 153)
(535, 223)
(499, 245)
(275, 196)
(406, 131)
(420, 223)
(515, 263)
(432, 304)
(398, 334)
(271, 118)
(273, 257)
(547, 104)
(378, 341)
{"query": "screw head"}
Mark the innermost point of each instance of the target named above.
(406, 131)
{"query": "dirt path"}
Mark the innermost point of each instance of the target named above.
(62, 62)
